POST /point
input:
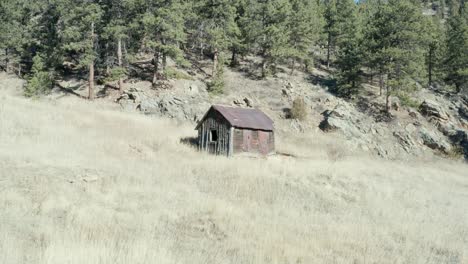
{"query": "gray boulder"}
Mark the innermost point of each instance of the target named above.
(463, 111)
(434, 141)
(405, 140)
(433, 111)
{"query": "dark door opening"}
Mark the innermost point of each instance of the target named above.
(214, 136)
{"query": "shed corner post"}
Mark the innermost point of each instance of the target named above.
(231, 142)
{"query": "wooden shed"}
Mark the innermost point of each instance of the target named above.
(232, 130)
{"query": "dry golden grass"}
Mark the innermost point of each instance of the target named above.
(82, 183)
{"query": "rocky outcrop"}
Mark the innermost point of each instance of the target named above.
(405, 140)
(433, 111)
(463, 111)
(181, 108)
(434, 141)
(340, 118)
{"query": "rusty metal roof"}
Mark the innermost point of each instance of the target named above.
(243, 117)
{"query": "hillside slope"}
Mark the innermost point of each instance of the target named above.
(85, 182)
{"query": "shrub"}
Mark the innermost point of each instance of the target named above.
(115, 74)
(299, 109)
(40, 81)
(406, 100)
(172, 73)
(216, 86)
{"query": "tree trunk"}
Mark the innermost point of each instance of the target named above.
(7, 61)
(164, 65)
(215, 63)
(156, 67)
(381, 83)
(387, 99)
(91, 81)
(19, 69)
(430, 67)
(328, 50)
(234, 58)
(91, 68)
(119, 58)
(293, 66)
(264, 64)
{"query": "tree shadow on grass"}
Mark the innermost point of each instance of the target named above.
(190, 142)
(328, 82)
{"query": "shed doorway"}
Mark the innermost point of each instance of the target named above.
(214, 135)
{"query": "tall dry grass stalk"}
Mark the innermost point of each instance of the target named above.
(80, 183)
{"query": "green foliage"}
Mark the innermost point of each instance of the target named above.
(456, 63)
(173, 73)
(79, 18)
(40, 81)
(391, 38)
(397, 45)
(305, 28)
(216, 85)
(456, 153)
(116, 74)
(350, 56)
(407, 100)
(299, 109)
(434, 49)
(268, 30)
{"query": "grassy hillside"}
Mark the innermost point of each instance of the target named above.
(83, 182)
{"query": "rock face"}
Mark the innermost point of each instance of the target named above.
(463, 111)
(433, 111)
(405, 140)
(181, 108)
(435, 141)
(338, 119)
(460, 138)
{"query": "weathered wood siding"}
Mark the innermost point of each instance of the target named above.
(220, 146)
(254, 141)
(231, 140)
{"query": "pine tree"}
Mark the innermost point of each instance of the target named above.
(80, 25)
(238, 44)
(331, 27)
(164, 33)
(434, 42)
(219, 26)
(304, 29)
(268, 30)
(368, 9)
(115, 33)
(397, 44)
(14, 33)
(456, 63)
(350, 56)
(40, 81)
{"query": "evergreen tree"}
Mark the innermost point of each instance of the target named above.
(268, 30)
(331, 26)
(350, 56)
(79, 28)
(305, 28)
(338, 25)
(40, 81)
(14, 33)
(238, 44)
(397, 44)
(456, 63)
(115, 33)
(164, 33)
(219, 26)
(434, 42)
